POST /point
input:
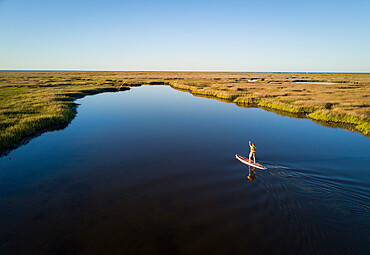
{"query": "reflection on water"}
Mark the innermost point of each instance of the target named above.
(314, 82)
(152, 171)
(252, 173)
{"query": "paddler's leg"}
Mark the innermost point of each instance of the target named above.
(254, 157)
(250, 156)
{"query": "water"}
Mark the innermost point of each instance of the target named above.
(153, 171)
(249, 80)
(314, 82)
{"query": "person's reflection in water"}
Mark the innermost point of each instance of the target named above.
(252, 173)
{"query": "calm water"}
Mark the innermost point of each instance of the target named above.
(152, 171)
(314, 82)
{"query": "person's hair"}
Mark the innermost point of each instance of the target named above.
(253, 144)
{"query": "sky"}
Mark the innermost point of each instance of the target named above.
(228, 35)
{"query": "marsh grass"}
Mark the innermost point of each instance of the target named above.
(34, 101)
(346, 101)
(25, 111)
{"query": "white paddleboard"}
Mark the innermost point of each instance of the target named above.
(249, 162)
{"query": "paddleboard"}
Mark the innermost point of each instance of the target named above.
(251, 163)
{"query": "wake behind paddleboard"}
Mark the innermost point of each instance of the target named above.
(248, 162)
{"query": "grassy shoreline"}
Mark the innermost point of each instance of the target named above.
(320, 112)
(34, 122)
(31, 102)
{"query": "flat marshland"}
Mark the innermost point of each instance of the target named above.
(32, 101)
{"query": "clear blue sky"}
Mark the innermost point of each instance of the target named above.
(230, 35)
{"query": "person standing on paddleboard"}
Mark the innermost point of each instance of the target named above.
(253, 152)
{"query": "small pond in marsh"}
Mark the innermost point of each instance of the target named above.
(314, 82)
(153, 171)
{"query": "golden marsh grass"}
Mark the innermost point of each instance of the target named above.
(33, 101)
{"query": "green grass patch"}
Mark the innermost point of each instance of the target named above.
(327, 115)
(361, 124)
(284, 106)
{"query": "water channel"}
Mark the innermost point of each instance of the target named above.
(152, 170)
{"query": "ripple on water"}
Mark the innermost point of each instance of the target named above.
(342, 202)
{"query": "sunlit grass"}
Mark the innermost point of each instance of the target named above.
(25, 111)
(346, 101)
(33, 101)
